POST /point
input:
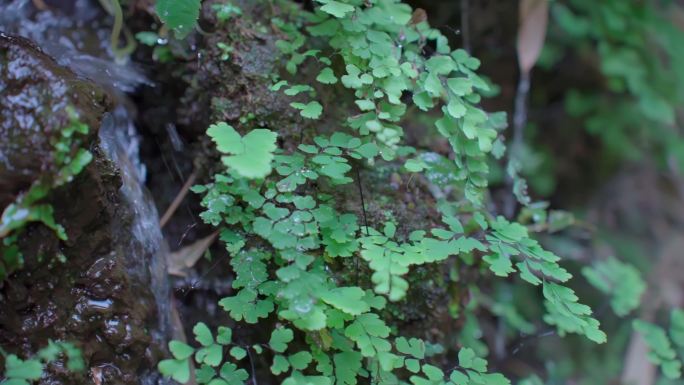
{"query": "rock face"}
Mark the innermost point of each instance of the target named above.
(104, 295)
(35, 95)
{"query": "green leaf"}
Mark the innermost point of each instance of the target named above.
(564, 311)
(337, 8)
(365, 104)
(203, 334)
(456, 108)
(300, 360)
(621, 281)
(354, 79)
(327, 76)
(15, 381)
(297, 89)
(249, 267)
(336, 168)
(367, 150)
(211, 355)
(205, 374)
(500, 264)
(313, 320)
(179, 15)
(370, 333)
(433, 373)
(389, 361)
(347, 367)
(440, 64)
(413, 365)
(414, 347)
(460, 86)
(423, 100)
(677, 327)
(27, 370)
(280, 364)
(180, 350)
(232, 375)
(179, 370)
(507, 231)
(237, 352)
(465, 357)
(661, 351)
(459, 378)
(224, 335)
(347, 299)
(388, 265)
(280, 337)
(415, 165)
(311, 110)
(279, 85)
(433, 86)
(251, 155)
(245, 305)
(304, 202)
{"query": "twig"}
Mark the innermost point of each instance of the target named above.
(251, 363)
(178, 199)
(524, 341)
(363, 203)
(365, 218)
(519, 121)
(465, 24)
(520, 113)
(198, 280)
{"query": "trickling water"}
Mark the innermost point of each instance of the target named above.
(76, 37)
(146, 250)
(120, 140)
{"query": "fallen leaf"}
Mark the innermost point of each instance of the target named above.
(418, 16)
(534, 15)
(181, 260)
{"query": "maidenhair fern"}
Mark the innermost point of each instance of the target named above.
(24, 372)
(179, 15)
(283, 240)
(251, 155)
(621, 281)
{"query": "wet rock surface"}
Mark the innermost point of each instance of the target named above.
(33, 108)
(104, 294)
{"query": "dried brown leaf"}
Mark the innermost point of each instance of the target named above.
(181, 260)
(534, 15)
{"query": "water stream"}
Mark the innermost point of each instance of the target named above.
(146, 250)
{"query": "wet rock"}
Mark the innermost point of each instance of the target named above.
(35, 93)
(101, 293)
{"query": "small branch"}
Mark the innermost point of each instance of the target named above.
(465, 24)
(525, 340)
(520, 111)
(363, 203)
(517, 141)
(365, 218)
(178, 199)
(251, 363)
